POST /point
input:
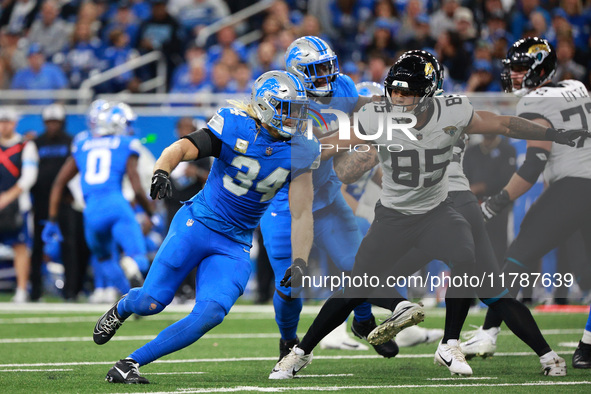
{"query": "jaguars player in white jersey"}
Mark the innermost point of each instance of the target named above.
(413, 212)
(563, 208)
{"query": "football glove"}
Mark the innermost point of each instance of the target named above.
(51, 232)
(566, 137)
(493, 205)
(293, 275)
(53, 249)
(161, 186)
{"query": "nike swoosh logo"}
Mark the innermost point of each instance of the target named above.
(124, 374)
(400, 313)
(448, 363)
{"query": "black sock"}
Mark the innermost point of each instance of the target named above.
(333, 313)
(491, 320)
(456, 310)
(519, 320)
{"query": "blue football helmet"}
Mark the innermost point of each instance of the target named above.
(369, 89)
(314, 63)
(93, 112)
(114, 119)
(279, 100)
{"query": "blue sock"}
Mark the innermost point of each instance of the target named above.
(363, 312)
(115, 276)
(287, 315)
(588, 325)
(99, 275)
(205, 316)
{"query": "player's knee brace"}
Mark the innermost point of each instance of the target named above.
(144, 304)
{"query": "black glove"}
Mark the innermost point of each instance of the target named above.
(161, 186)
(493, 205)
(566, 137)
(293, 275)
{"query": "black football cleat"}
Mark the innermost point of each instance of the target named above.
(125, 371)
(107, 325)
(285, 346)
(582, 356)
(361, 330)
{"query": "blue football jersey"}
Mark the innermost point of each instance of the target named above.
(251, 168)
(102, 162)
(326, 183)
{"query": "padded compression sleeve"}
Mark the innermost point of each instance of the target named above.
(535, 161)
(206, 142)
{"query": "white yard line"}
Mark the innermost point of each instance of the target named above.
(230, 336)
(36, 370)
(466, 378)
(243, 359)
(568, 344)
(335, 388)
(174, 373)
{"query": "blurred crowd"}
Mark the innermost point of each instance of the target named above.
(54, 44)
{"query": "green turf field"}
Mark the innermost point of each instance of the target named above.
(47, 348)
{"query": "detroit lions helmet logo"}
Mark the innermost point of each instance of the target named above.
(270, 85)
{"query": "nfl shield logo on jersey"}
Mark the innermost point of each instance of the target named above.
(269, 151)
(451, 130)
(419, 136)
(190, 222)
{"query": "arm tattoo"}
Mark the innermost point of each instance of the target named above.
(351, 166)
(525, 129)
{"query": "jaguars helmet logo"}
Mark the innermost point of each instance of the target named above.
(538, 48)
(429, 69)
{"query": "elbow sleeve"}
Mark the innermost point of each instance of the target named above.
(532, 167)
(206, 142)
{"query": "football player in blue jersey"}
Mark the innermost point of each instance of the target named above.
(335, 227)
(259, 147)
(103, 156)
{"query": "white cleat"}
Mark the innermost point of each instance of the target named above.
(339, 339)
(553, 364)
(405, 315)
(480, 342)
(97, 296)
(21, 296)
(416, 335)
(449, 355)
(132, 271)
(291, 364)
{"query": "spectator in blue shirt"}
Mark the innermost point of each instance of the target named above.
(195, 81)
(39, 75)
(521, 16)
(226, 38)
(580, 21)
(118, 53)
(83, 56)
(181, 73)
(123, 19)
(242, 79)
(220, 79)
(265, 59)
(482, 79)
(200, 13)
